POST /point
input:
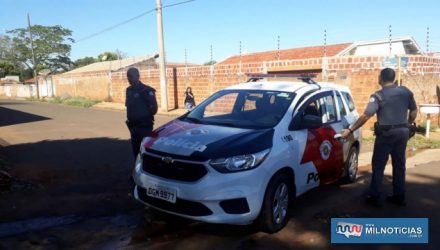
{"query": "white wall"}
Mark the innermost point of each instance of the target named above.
(380, 49)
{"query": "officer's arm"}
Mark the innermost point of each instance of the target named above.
(412, 116)
(370, 110)
(153, 106)
(359, 123)
(412, 106)
(152, 102)
(149, 96)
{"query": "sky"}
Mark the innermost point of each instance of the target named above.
(197, 25)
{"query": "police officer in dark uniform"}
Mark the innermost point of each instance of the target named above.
(141, 104)
(392, 129)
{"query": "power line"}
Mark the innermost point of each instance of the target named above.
(129, 20)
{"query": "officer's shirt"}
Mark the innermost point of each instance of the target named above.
(141, 104)
(394, 106)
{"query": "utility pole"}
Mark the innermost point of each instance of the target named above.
(210, 62)
(278, 51)
(325, 43)
(390, 39)
(240, 58)
(33, 57)
(427, 39)
(163, 79)
(324, 58)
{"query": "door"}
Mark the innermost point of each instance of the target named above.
(322, 153)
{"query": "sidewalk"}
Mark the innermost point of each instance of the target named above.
(422, 157)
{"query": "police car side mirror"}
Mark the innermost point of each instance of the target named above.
(311, 121)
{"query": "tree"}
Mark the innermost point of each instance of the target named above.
(84, 61)
(210, 63)
(107, 56)
(7, 65)
(5, 47)
(51, 47)
(7, 68)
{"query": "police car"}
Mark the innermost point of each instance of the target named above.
(243, 154)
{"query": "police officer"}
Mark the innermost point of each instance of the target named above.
(141, 104)
(391, 104)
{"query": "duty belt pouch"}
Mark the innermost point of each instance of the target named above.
(412, 129)
(378, 131)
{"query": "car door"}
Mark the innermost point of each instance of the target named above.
(316, 122)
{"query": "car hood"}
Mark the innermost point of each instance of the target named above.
(202, 141)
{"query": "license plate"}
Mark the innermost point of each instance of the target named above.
(161, 192)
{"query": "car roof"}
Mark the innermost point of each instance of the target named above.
(286, 86)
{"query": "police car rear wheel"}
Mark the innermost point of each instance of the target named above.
(274, 213)
(351, 166)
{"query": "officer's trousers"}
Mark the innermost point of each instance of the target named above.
(137, 133)
(392, 142)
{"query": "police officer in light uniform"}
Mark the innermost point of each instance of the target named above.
(141, 104)
(391, 104)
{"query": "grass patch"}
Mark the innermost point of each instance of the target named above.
(418, 141)
(75, 101)
(72, 101)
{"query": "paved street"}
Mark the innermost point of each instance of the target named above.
(73, 166)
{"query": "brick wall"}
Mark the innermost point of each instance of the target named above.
(94, 86)
(358, 73)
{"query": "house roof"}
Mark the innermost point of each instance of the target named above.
(409, 43)
(8, 81)
(288, 54)
(30, 80)
(110, 65)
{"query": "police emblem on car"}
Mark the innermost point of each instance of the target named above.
(168, 160)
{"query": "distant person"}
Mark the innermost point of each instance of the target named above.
(141, 104)
(189, 99)
(392, 129)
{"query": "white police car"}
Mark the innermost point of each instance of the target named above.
(244, 153)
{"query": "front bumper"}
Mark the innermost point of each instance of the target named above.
(233, 198)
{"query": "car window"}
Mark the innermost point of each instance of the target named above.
(243, 108)
(348, 100)
(323, 107)
(221, 106)
(251, 101)
(341, 106)
(330, 109)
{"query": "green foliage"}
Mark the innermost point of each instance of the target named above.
(75, 101)
(84, 61)
(108, 56)
(418, 141)
(421, 142)
(51, 47)
(7, 68)
(5, 47)
(210, 63)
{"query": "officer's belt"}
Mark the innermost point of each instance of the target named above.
(388, 127)
(134, 123)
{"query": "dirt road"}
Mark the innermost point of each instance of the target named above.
(73, 165)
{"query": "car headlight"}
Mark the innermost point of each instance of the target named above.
(138, 163)
(142, 146)
(240, 162)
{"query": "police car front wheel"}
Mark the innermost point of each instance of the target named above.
(274, 213)
(351, 166)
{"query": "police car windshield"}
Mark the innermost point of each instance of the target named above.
(242, 108)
